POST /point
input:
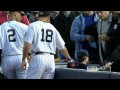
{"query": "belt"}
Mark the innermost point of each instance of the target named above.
(11, 55)
(43, 53)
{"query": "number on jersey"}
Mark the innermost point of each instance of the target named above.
(11, 35)
(49, 34)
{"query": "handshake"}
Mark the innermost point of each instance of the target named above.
(104, 37)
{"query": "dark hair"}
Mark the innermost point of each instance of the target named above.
(81, 58)
(81, 55)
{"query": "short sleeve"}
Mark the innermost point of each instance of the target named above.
(29, 35)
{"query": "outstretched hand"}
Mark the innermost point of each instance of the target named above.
(107, 66)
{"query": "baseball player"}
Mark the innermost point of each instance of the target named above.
(43, 39)
(11, 42)
(0, 51)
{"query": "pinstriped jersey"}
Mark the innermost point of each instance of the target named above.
(12, 37)
(0, 38)
(44, 37)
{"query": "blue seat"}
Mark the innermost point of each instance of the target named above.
(114, 75)
(65, 73)
(68, 73)
(84, 74)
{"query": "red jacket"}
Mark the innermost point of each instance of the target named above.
(25, 20)
(3, 17)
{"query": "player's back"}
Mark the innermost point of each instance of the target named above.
(44, 37)
(12, 35)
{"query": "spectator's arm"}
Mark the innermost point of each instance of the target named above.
(75, 33)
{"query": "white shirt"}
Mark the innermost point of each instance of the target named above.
(44, 37)
(12, 37)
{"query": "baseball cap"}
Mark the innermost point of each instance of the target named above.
(82, 53)
(44, 13)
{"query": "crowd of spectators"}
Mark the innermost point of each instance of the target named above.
(97, 32)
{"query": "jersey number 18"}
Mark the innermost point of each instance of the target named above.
(49, 34)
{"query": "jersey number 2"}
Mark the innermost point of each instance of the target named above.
(11, 35)
(49, 34)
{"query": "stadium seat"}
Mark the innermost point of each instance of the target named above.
(64, 73)
(84, 74)
(114, 75)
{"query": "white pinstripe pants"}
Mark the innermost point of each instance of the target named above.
(41, 66)
(11, 67)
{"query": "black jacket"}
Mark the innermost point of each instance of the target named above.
(114, 34)
(63, 25)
